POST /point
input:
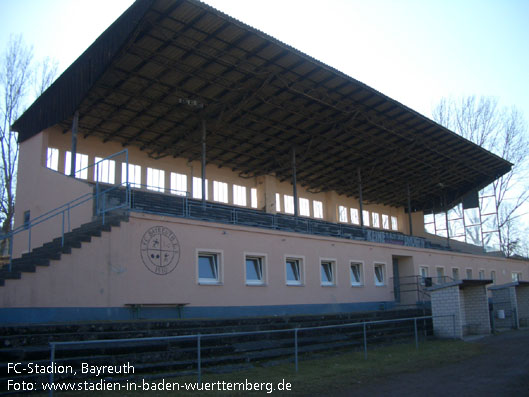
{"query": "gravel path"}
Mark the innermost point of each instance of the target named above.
(501, 370)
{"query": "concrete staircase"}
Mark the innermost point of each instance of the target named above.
(155, 358)
(41, 256)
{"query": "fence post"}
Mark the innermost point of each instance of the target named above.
(199, 367)
(365, 341)
(52, 359)
(416, 333)
(296, 348)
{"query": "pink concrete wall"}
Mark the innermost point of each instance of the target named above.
(109, 271)
(40, 190)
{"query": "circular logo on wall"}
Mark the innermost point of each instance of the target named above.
(160, 250)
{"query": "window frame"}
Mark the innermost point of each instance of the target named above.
(360, 282)
(263, 261)
(100, 165)
(304, 206)
(301, 270)
(383, 266)
(220, 192)
(133, 174)
(332, 263)
(177, 180)
(218, 254)
(155, 179)
(81, 166)
(317, 209)
(458, 274)
(471, 273)
(493, 276)
(52, 158)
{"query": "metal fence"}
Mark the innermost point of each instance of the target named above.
(294, 331)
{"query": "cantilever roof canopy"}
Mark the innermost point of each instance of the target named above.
(166, 65)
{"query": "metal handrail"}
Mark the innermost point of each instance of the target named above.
(199, 337)
(64, 210)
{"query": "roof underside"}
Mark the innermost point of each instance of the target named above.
(261, 99)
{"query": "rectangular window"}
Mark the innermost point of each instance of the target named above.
(493, 276)
(304, 207)
(385, 221)
(327, 270)
(342, 213)
(27, 218)
(440, 272)
(365, 217)
(197, 188)
(239, 195)
(294, 271)
(178, 184)
(356, 274)
(134, 174)
(481, 274)
(155, 179)
(81, 164)
(469, 274)
(289, 204)
(394, 223)
(220, 192)
(317, 208)
(104, 170)
(278, 202)
(516, 276)
(253, 197)
(376, 219)
(380, 276)
(52, 159)
(455, 273)
(209, 268)
(254, 270)
(423, 271)
(354, 216)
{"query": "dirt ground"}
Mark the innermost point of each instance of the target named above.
(501, 370)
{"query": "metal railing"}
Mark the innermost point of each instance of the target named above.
(64, 210)
(294, 331)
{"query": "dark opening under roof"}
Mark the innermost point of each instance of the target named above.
(260, 99)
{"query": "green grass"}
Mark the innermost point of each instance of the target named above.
(322, 373)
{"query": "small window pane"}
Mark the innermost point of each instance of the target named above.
(104, 170)
(254, 270)
(134, 174)
(365, 217)
(208, 269)
(179, 184)
(394, 223)
(376, 221)
(293, 271)
(455, 273)
(317, 207)
(155, 179)
(356, 274)
(379, 274)
(197, 188)
(81, 164)
(239, 195)
(289, 204)
(304, 208)
(220, 192)
(253, 197)
(385, 222)
(52, 161)
(469, 274)
(354, 216)
(278, 202)
(342, 213)
(327, 273)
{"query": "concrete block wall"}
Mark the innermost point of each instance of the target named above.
(447, 321)
(476, 309)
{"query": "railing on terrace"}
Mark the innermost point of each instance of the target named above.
(181, 205)
(365, 326)
(64, 211)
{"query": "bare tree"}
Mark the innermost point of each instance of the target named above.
(502, 131)
(18, 76)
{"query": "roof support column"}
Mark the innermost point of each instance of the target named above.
(409, 208)
(75, 126)
(203, 163)
(446, 221)
(360, 198)
(294, 183)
